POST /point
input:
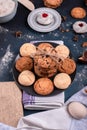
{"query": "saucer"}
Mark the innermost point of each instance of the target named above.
(32, 22)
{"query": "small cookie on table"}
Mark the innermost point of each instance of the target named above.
(52, 3)
(78, 12)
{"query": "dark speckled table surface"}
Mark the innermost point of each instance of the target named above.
(10, 44)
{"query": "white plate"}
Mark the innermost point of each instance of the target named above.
(41, 28)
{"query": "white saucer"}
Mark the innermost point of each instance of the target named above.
(44, 28)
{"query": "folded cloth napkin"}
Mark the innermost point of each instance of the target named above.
(11, 109)
(56, 119)
(42, 102)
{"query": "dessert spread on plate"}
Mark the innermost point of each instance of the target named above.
(42, 62)
(6, 7)
(44, 18)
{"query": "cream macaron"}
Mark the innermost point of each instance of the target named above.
(27, 49)
(62, 81)
(62, 51)
(26, 78)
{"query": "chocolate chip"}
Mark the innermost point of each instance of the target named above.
(44, 49)
(47, 56)
(35, 64)
(49, 66)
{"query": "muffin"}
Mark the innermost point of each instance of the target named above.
(62, 51)
(43, 86)
(24, 63)
(67, 66)
(62, 81)
(26, 78)
(52, 3)
(78, 12)
(27, 49)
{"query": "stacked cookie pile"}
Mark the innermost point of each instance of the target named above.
(44, 64)
(45, 67)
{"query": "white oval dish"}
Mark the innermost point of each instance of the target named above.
(32, 20)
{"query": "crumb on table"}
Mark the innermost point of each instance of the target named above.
(18, 33)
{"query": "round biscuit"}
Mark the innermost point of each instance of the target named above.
(43, 86)
(78, 12)
(62, 81)
(26, 78)
(62, 51)
(24, 63)
(67, 66)
(27, 49)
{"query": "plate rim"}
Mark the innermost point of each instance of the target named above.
(51, 28)
(35, 94)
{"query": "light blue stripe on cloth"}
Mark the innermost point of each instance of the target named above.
(6, 127)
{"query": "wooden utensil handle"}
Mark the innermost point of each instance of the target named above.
(28, 4)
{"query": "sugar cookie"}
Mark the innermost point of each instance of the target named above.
(62, 51)
(62, 81)
(52, 3)
(27, 49)
(78, 12)
(26, 78)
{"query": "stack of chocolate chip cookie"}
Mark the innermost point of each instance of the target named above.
(44, 65)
